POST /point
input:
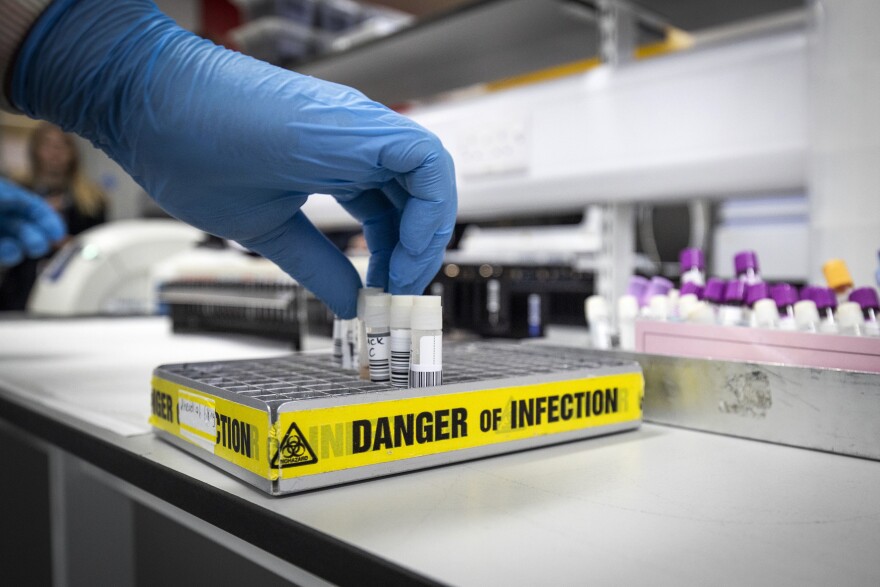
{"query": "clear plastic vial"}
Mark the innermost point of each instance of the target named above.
(377, 319)
(360, 357)
(599, 321)
(426, 350)
(785, 297)
(826, 303)
(401, 339)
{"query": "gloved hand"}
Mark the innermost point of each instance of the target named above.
(234, 146)
(28, 225)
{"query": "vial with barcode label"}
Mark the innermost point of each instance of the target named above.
(401, 339)
(378, 332)
(426, 350)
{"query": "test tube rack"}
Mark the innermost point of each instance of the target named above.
(301, 422)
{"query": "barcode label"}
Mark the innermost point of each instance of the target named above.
(400, 341)
(425, 378)
(377, 351)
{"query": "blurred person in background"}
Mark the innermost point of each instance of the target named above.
(54, 175)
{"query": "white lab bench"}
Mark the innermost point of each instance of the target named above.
(660, 505)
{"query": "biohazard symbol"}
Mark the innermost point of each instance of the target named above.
(294, 450)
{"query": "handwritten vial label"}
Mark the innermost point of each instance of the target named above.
(377, 353)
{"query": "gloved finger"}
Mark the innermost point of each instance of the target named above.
(410, 274)
(29, 236)
(18, 202)
(433, 202)
(381, 224)
(308, 256)
(10, 252)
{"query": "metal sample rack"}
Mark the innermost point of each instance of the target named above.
(301, 422)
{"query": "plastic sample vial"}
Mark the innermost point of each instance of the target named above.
(806, 316)
(426, 349)
(657, 286)
(745, 265)
(337, 340)
(850, 319)
(691, 263)
(731, 311)
(533, 316)
(785, 297)
(377, 320)
(765, 314)
(348, 331)
(599, 321)
(636, 287)
(360, 356)
(691, 288)
(837, 275)
(658, 308)
(866, 298)
(401, 339)
(826, 303)
(713, 293)
(673, 295)
(702, 313)
(627, 311)
(686, 304)
(755, 292)
(493, 301)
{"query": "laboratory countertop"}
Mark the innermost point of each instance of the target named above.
(660, 505)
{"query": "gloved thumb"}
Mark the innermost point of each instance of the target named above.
(308, 256)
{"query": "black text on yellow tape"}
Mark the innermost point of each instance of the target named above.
(343, 437)
(234, 432)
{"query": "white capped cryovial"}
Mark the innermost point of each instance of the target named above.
(599, 321)
(765, 314)
(850, 319)
(627, 312)
(426, 350)
(806, 316)
(377, 319)
(401, 339)
(361, 361)
(337, 339)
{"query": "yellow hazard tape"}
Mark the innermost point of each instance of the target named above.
(234, 432)
(343, 437)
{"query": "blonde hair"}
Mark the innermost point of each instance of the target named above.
(88, 198)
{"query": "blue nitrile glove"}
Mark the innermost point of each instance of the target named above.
(28, 225)
(234, 146)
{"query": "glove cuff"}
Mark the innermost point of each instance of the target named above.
(19, 17)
